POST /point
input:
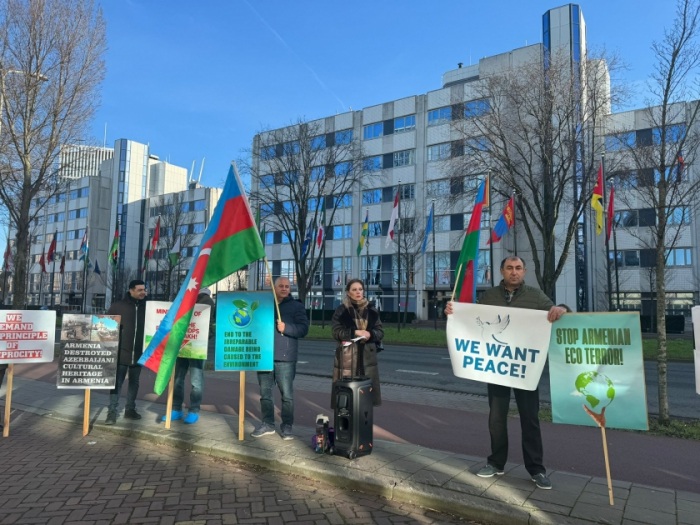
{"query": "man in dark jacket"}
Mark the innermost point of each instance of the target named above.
(293, 326)
(513, 292)
(133, 315)
(196, 369)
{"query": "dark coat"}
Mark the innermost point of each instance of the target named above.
(343, 327)
(296, 326)
(133, 315)
(204, 298)
(525, 297)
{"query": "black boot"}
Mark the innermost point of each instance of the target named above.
(130, 413)
(111, 418)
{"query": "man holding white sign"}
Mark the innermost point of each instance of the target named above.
(491, 357)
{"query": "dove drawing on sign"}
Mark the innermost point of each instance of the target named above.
(489, 330)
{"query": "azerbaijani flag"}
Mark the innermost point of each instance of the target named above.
(597, 201)
(230, 242)
(114, 250)
(465, 287)
(505, 223)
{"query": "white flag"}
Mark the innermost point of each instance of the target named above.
(394, 216)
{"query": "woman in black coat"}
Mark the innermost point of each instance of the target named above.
(356, 317)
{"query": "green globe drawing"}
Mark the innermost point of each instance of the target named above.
(241, 317)
(598, 389)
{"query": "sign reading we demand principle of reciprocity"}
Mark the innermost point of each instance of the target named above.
(498, 345)
(27, 336)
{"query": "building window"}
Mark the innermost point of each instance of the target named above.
(77, 214)
(82, 192)
(442, 223)
(484, 219)
(403, 124)
(286, 237)
(343, 137)
(678, 216)
(343, 169)
(439, 116)
(442, 268)
(372, 269)
(438, 188)
(404, 158)
(287, 270)
(375, 229)
(474, 145)
(439, 152)
(626, 219)
(318, 172)
(342, 232)
(290, 148)
(267, 153)
(372, 163)
(318, 143)
(674, 134)
(476, 108)
(372, 131)
(408, 191)
(679, 257)
(338, 270)
(269, 238)
(406, 225)
(620, 141)
(372, 197)
(343, 201)
(200, 205)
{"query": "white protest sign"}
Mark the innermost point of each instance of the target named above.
(194, 346)
(697, 371)
(498, 345)
(27, 336)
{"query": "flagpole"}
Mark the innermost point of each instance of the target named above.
(488, 175)
(515, 224)
(432, 213)
(398, 242)
(53, 270)
(617, 269)
(367, 252)
(607, 243)
(85, 263)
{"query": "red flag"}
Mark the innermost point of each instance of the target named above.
(52, 249)
(8, 257)
(63, 264)
(611, 213)
(42, 263)
(156, 237)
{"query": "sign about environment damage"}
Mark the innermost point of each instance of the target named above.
(498, 345)
(27, 336)
(695, 312)
(89, 351)
(245, 331)
(596, 368)
(194, 345)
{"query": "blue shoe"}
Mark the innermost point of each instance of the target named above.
(191, 418)
(174, 415)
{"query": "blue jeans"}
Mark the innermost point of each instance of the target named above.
(134, 374)
(196, 368)
(283, 375)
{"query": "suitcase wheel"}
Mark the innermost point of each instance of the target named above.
(352, 455)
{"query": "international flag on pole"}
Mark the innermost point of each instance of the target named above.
(363, 234)
(146, 258)
(681, 166)
(428, 228)
(307, 240)
(114, 250)
(505, 223)
(42, 262)
(52, 249)
(97, 268)
(230, 242)
(465, 287)
(63, 264)
(611, 214)
(322, 226)
(8, 263)
(174, 254)
(156, 238)
(394, 216)
(85, 250)
(597, 201)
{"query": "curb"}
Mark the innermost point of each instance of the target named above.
(432, 497)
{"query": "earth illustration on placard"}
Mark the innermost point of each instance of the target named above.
(242, 316)
(597, 388)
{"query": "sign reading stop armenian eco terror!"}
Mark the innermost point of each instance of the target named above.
(27, 336)
(89, 351)
(596, 368)
(194, 346)
(245, 331)
(499, 345)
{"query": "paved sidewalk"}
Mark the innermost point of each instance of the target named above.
(400, 472)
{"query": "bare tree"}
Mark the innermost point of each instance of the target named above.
(51, 66)
(536, 127)
(658, 158)
(294, 171)
(176, 225)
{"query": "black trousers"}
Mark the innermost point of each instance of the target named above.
(2, 373)
(528, 406)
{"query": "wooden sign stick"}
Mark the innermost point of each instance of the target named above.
(607, 466)
(86, 413)
(459, 272)
(241, 409)
(8, 400)
(169, 404)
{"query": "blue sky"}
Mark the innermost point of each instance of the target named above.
(199, 78)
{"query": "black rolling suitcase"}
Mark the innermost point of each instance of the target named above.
(353, 417)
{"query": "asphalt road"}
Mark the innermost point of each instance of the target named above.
(429, 367)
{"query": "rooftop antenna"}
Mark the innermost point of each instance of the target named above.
(104, 143)
(201, 169)
(192, 171)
